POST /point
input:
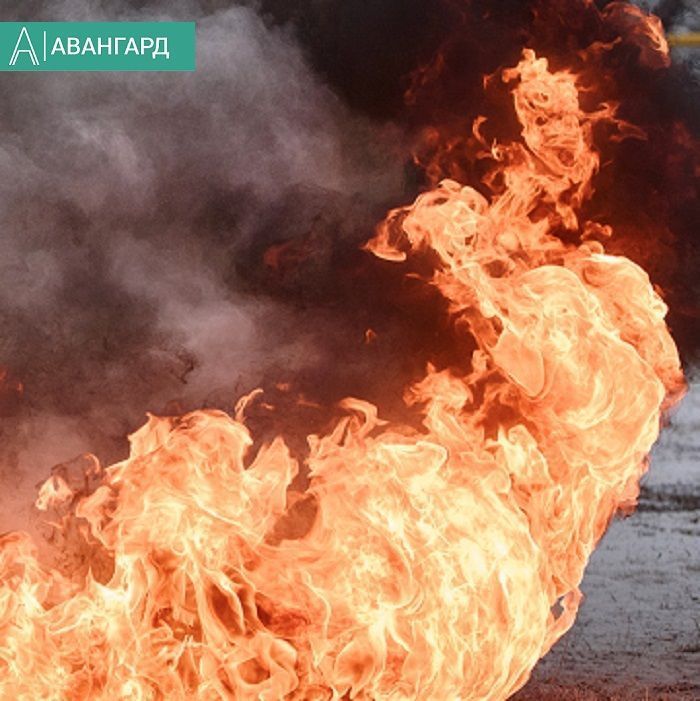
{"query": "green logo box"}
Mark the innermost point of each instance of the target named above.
(97, 46)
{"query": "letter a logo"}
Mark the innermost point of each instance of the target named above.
(32, 54)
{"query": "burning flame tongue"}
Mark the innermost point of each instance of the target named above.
(433, 565)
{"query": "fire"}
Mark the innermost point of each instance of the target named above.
(427, 564)
(643, 29)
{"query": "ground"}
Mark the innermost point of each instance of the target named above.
(637, 636)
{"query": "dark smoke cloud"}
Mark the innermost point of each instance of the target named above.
(676, 14)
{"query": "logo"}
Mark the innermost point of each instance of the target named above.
(24, 34)
(97, 46)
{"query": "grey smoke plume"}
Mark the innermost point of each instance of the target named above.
(678, 16)
(126, 201)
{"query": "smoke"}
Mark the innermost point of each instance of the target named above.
(676, 14)
(126, 200)
(174, 240)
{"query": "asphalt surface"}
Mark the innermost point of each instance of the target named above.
(638, 631)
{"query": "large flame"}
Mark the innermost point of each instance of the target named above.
(439, 563)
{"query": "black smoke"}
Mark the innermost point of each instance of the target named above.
(648, 188)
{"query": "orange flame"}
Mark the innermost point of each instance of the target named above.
(432, 564)
(643, 29)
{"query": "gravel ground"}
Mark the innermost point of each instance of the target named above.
(638, 631)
